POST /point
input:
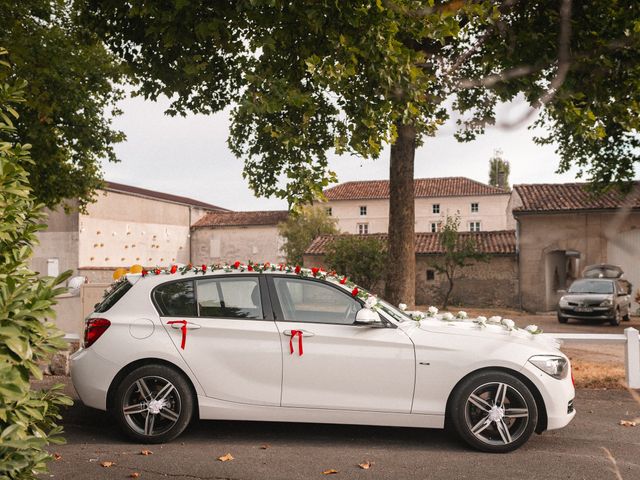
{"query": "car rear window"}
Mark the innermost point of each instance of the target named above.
(176, 299)
(113, 296)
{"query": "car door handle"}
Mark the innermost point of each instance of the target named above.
(305, 333)
(188, 325)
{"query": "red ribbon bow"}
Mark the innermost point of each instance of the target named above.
(293, 334)
(183, 329)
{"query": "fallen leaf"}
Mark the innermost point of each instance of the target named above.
(366, 465)
(146, 452)
(331, 471)
(134, 475)
(264, 446)
(107, 464)
(57, 456)
(628, 423)
(226, 458)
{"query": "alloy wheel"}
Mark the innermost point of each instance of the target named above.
(496, 413)
(152, 406)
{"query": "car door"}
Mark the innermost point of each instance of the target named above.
(231, 342)
(340, 365)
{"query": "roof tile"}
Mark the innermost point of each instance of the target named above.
(121, 188)
(553, 197)
(228, 219)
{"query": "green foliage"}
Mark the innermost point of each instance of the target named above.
(362, 258)
(307, 78)
(499, 170)
(459, 252)
(303, 225)
(70, 97)
(27, 418)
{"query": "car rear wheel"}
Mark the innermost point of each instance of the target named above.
(493, 411)
(615, 321)
(627, 317)
(153, 404)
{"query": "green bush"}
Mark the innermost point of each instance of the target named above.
(362, 259)
(27, 417)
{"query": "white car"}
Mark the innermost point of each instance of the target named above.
(274, 343)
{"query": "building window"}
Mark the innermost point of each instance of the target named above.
(474, 226)
(328, 211)
(435, 227)
(475, 207)
(431, 275)
(363, 210)
(363, 228)
(435, 208)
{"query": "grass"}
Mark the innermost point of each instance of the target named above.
(598, 375)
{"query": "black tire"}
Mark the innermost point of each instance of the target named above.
(464, 413)
(562, 319)
(173, 411)
(627, 317)
(615, 320)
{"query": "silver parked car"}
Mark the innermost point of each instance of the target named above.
(602, 299)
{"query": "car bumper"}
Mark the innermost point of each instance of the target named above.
(91, 375)
(598, 313)
(558, 396)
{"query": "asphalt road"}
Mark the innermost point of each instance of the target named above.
(301, 451)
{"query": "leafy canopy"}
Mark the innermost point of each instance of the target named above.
(308, 78)
(70, 97)
(303, 225)
(27, 418)
(499, 170)
(362, 258)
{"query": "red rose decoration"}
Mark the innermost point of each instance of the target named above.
(250, 268)
(355, 291)
(236, 265)
(174, 268)
(204, 268)
(297, 270)
(281, 267)
(157, 271)
(266, 265)
(344, 280)
(144, 272)
(315, 271)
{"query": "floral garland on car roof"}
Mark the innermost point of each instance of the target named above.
(370, 300)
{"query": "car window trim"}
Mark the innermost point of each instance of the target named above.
(275, 300)
(267, 314)
(159, 310)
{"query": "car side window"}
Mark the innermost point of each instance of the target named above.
(314, 302)
(176, 299)
(229, 298)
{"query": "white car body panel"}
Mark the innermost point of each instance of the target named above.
(243, 369)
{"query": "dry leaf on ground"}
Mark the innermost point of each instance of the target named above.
(226, 458)
(107, 464)
(134, 475)
(57, 456)
(264, 446)
(366, 465)
(146, 452)
(330, 471)
(628, 423)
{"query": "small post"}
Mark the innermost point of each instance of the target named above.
(632, 357)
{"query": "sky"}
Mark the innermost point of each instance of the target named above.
(189, 156)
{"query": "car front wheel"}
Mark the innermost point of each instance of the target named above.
(562, 319)
(615, 321)
(493, 411)
(153, 404)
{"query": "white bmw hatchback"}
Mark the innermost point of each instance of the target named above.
(274, 343)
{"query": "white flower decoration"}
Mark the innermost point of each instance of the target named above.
(432, 311)
(495, 319)
(417, 316)
(509, 324)
(447, 316)
(402, 306)
(481, 321)
(533, 329)
(462, 314)
(371, 302)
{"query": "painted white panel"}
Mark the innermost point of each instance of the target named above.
(53, 267)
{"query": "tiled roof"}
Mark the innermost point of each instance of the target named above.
(423, 187)
(493, 242)
(229, 219)
(553, 197)
(143, 192)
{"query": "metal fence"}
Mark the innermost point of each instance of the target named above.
(630, 338)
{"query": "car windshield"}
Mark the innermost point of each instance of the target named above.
(591, 286)
(393, 312)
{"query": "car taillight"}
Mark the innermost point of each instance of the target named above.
(93, 330)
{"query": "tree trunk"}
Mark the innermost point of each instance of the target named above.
(445, 304)
(400, 282)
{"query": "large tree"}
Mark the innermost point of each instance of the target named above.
(309, 77)
(70, 97)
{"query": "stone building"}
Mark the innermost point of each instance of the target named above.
(562, 228)
(363, 206)
(220, 237)
(494, 282)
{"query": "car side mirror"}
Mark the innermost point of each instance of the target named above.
(368, 318)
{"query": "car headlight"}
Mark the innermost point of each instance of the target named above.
(557, 367)
(606, 303)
